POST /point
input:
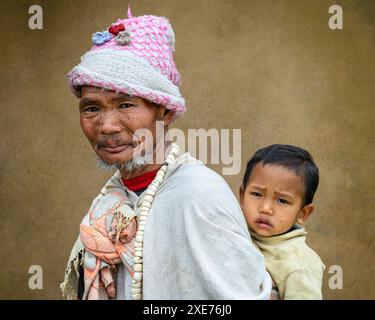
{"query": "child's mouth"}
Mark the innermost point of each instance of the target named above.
(263, 223)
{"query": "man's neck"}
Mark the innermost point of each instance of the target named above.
(139, 171)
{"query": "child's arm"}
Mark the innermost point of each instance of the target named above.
(303, 285)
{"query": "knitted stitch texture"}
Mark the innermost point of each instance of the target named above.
(142, 65)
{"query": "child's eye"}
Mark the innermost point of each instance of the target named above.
(255, 194)
(283, 201)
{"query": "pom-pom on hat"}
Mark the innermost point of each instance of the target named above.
(133, 56)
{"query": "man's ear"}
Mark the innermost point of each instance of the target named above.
(165, 115)
(305, 213)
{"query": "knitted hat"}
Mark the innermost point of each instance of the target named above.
(133, 56)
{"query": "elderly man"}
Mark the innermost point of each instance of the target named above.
(169, 229)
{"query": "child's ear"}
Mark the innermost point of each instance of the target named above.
(241, 196)
(305, 213)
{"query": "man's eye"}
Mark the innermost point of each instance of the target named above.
(126, 105)
(90, 109)
(283, 201)
(255, 194)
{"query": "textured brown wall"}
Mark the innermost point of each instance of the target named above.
(271, 68)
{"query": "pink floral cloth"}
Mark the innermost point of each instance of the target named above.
(108, 240)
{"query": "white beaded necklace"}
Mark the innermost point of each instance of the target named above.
(145, 206)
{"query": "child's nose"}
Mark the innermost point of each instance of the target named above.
(266, 207)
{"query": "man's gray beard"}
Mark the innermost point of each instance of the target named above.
(129, 165)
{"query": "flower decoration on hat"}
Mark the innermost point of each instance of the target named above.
(123, 37)
(99, 38)
(115, 29)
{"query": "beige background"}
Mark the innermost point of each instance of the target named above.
(271, 68)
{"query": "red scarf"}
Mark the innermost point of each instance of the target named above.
(140, 182)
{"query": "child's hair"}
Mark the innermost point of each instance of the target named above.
(290, 157)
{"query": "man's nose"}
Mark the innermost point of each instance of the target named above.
(110, 122)
(266, 207)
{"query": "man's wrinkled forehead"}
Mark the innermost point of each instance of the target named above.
(94, 93)
(90, 90)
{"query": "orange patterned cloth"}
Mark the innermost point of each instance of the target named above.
(108, 240)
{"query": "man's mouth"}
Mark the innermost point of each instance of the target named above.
(263, 222)
(114, 148)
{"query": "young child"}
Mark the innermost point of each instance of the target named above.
(276, 198)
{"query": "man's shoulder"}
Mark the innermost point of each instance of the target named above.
(193, 185)
(200, 195)
(193, 175)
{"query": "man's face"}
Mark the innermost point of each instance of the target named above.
(109, 121)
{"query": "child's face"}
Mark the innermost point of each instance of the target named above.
(272, 201)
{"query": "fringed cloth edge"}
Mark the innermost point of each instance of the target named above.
(69, 287)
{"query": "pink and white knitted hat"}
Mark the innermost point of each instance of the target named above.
(133, 56)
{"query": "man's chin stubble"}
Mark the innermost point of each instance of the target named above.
(129, 165)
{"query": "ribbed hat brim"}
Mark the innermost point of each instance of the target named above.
(123, 71)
